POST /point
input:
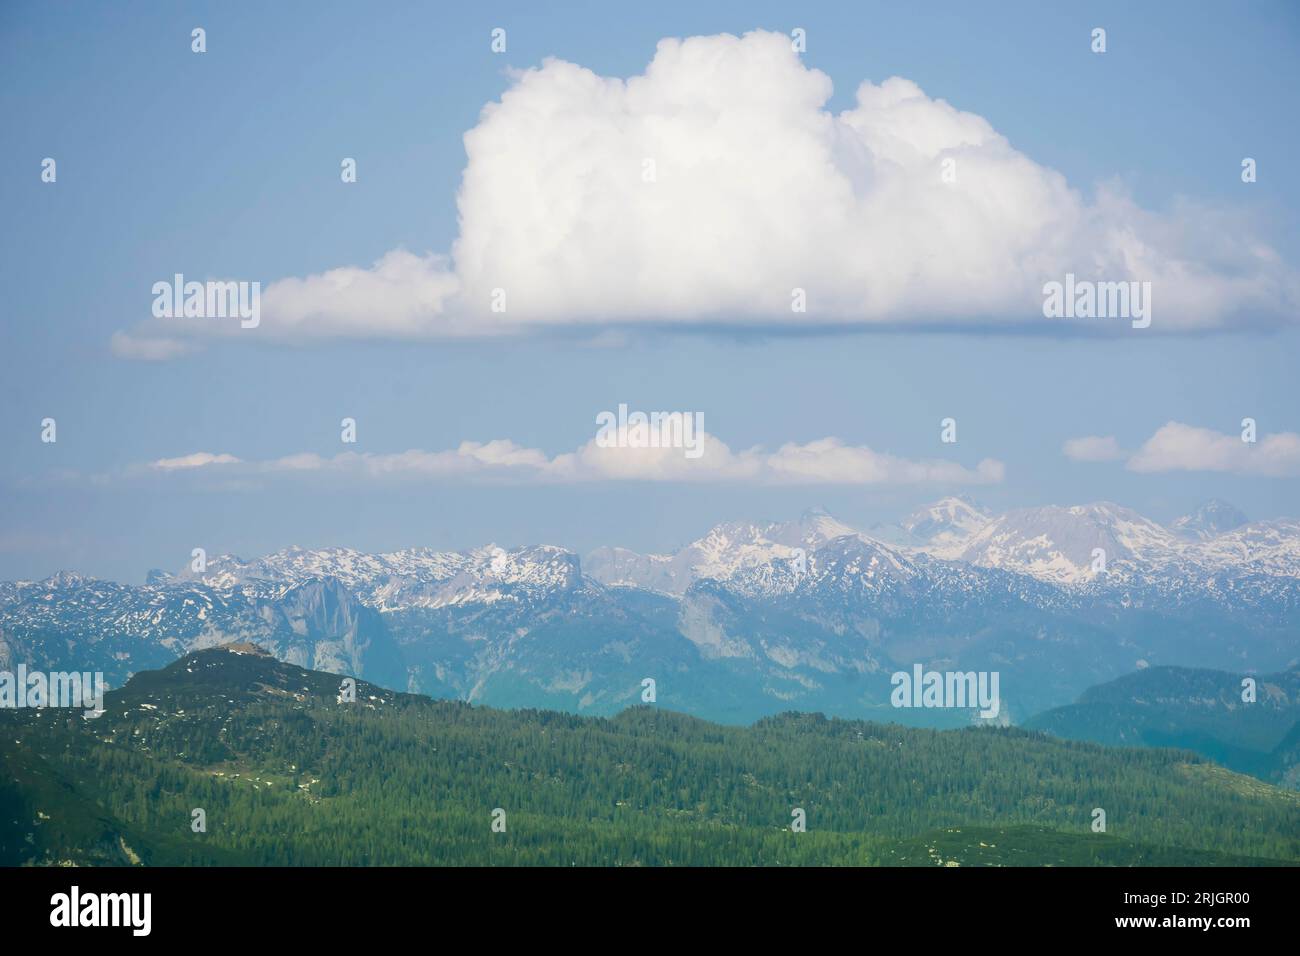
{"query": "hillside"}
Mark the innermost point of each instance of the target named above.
(287, 773)
(1198, 710)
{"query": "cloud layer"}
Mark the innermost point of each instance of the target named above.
(824, 461)
(707, 189)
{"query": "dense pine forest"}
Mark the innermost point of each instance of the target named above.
(286, 771)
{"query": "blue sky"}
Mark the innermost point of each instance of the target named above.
(227, 164)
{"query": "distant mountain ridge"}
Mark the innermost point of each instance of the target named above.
(1051, 543)
(1252, 730)
(747, 620)
(1209, 520)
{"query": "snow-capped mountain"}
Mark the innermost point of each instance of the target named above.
(416, 577)
(1061, 545)
(944, 528)
(1208, 521)
(748, 619)
(1055, 544)
(83, 624)
(1265, 547)
(724, 551)
(940, 529)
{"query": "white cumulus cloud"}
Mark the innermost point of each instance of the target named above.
(707, 189)
(1179, 447)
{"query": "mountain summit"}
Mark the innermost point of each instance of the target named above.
(947, 523)
(1209, 520)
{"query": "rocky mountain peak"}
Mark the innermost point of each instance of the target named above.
(1211, 519)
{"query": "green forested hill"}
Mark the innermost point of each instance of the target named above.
(288, 774)
(1198, 710)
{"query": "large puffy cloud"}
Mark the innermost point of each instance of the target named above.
(758, 190)
(824, 461)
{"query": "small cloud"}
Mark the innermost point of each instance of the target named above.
(830, 461)
(1094, 448)
(304, 461)
(148, 348)
(200, 459)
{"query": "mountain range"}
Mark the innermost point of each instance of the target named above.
(748, 620)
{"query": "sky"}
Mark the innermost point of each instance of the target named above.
(525, 170)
